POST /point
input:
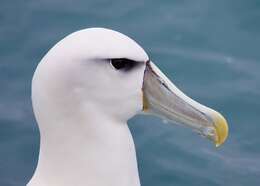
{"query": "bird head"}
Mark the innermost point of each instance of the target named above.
(103, 70)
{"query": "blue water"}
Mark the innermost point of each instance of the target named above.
(210, 49)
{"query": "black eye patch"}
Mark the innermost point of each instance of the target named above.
(123, 63)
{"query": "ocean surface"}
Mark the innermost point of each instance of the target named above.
(209, 49)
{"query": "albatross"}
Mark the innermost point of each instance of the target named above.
(84, 91)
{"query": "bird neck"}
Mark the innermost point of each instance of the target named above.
(84, 149)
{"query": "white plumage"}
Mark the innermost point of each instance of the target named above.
(82, 103)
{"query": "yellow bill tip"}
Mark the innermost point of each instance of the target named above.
(221, 128)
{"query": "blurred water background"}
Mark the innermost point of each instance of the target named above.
(210, 49)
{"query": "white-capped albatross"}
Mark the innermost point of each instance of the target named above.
(83, 92)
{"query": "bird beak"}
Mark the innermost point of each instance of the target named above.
(162, 98)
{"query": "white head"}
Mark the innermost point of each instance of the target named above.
(104, 75)
(80, 69)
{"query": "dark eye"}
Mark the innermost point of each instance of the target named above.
(123, 64)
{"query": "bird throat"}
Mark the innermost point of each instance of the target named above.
(84, 149)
